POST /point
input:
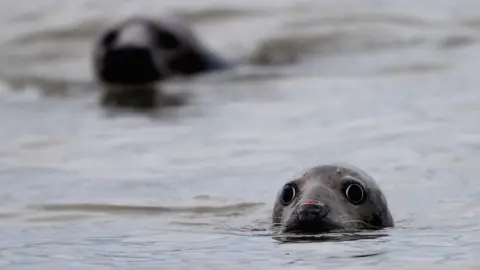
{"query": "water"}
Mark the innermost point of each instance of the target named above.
(389, 86)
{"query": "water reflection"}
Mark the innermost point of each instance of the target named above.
(329, 237)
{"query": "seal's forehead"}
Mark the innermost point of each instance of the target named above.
(134, 20)
(170, 24)
(147, 21)
(334, 173)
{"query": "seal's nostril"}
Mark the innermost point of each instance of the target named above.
(310, 212)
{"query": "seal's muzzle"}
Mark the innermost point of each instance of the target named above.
(311, 212)
(129, 65)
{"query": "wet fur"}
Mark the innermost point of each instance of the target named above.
(322, 183)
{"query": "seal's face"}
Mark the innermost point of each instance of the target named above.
(140, 51)
(328, 198)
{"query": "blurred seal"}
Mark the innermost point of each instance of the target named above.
(331, 198)
(133, 55)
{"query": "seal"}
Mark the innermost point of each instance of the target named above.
(331, 198)
(136, 53)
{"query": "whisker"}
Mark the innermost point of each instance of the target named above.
(360, 222)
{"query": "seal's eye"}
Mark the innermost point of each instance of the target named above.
(288, 194)
(355, 193)
(109, 38)
(167, 40)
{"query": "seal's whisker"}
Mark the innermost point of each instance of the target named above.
(360, 222)
(329, 198)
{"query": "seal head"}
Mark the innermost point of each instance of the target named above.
(331, 198)
(142, 50)
(134, 54)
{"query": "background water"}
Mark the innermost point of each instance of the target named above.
(388, 86)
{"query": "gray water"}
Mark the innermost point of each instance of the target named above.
(388, 86)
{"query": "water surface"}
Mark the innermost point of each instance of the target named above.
(389, 86)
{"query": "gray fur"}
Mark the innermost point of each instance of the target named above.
(325, 184)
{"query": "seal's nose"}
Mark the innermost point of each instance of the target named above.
(130, 64)
(310, 211)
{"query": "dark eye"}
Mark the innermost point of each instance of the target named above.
(109, 38)
(288, 194)
(355, 193)
(167, 40)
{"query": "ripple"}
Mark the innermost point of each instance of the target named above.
(84, 189)
(146, 210)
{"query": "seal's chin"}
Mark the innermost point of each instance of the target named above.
(310, 227)
(129, 66)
